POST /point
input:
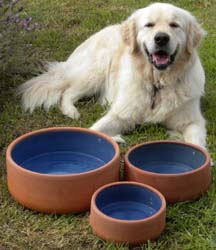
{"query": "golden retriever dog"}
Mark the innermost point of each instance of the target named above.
(147, 68)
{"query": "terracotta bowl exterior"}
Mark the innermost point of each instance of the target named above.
(58, 192)
(174, 185)
(110, 219)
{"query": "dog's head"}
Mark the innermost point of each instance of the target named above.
(162, 32)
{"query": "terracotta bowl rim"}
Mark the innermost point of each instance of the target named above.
(140, 171)
(44, 130)
(129, 222)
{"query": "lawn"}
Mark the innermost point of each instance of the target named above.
(63, 25)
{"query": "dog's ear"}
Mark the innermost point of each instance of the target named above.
(129, 34)
(195, 35)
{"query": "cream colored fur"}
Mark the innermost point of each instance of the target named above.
(113, 65)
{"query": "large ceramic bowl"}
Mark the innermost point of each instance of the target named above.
(56, 170)
(127, 212)
(180, 171)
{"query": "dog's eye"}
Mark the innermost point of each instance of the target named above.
(149, 25)
(174, 25)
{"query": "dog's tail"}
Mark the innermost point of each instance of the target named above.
(44, 90)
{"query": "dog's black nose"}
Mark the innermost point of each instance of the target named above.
(161, 39)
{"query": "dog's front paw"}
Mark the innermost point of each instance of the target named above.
(71, 112)
(118, 139)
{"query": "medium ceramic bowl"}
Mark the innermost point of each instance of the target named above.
(127, 212)
(180, 171)
(56, 170)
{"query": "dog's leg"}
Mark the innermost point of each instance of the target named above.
(189, 121)
(69, 97)
(115, 123)
(85, 85)
(112, 125)
(191, 124)
(195, 133)
(122, 117)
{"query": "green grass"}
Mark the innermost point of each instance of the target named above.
(64, 24)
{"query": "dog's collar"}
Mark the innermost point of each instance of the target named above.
(155, 94)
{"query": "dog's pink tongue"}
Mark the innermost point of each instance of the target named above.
(161, 59)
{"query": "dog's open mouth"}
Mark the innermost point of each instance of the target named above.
(161, 59)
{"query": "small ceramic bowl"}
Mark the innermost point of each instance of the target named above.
(56, 170)
(180, 171)
(127, 212)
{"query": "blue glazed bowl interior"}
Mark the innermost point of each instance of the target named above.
(63, 152)
(128, 202)
(166, 158)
